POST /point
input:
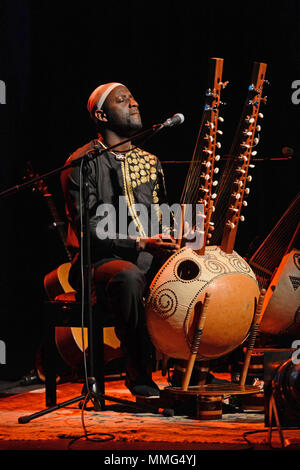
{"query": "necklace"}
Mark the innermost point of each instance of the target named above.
(118, 155)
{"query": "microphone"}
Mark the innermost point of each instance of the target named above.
(174, 120)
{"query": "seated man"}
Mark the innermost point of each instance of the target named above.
(124, 254)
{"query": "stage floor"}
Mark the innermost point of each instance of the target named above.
(120, 427)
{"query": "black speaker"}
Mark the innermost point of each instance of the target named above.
(282, 378)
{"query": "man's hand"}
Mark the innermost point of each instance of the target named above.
(160, 246)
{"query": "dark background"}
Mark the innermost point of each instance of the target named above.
(53, 54)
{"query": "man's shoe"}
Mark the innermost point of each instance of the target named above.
(143, 387)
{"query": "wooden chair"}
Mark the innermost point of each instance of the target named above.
(62, 310)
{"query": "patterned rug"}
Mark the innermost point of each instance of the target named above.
(120, 426)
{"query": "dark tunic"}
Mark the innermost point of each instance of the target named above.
(138, 179)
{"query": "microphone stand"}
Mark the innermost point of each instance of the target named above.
(89, 156)
(95, 389)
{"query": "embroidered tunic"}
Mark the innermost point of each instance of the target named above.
(137, 178)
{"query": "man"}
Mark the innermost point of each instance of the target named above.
(123, 263)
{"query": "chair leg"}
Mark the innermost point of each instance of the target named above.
(95, 362)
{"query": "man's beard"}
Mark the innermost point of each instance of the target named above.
(124, 127)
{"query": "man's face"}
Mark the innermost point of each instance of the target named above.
(122, 112)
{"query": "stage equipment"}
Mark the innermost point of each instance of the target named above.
(196, 342)
(281, 310)
(40, 186)
(281, 240)
(252, 336)
(276, 264)
(187, 276)
(179, 290)
(281, 391)
(205, 401)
